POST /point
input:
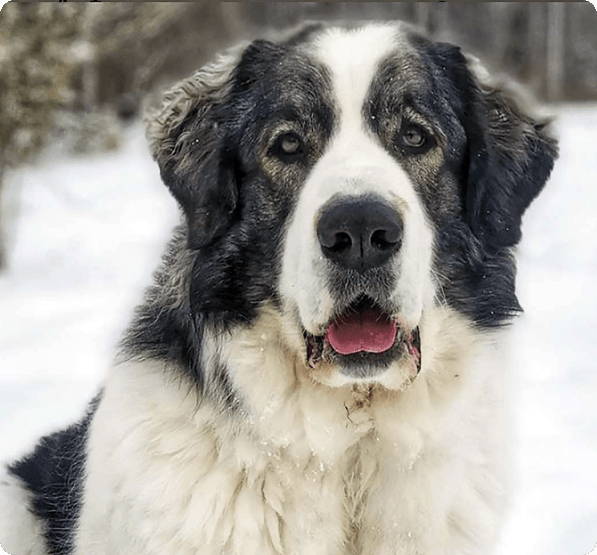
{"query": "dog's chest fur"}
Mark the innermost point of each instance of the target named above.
(306, 474)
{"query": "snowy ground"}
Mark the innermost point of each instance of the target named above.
(90, 231)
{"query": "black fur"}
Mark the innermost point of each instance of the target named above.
(506, 164)
(162, 327)
(230, 264)
(53, 474)
(236, 215)
(225, 262)
(509, 156)
(496, 162)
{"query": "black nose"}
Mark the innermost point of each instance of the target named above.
(360, 233)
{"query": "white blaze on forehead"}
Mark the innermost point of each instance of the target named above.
(352, 57)
(355, 163)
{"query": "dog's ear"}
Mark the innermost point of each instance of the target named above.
(191, 137)
(511, 155)
(187, 142)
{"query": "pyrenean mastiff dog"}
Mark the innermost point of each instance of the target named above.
(321, 365)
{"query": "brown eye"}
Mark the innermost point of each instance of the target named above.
(288, 147)
(413, 136)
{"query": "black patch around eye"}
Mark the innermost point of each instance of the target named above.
(413, 139)
(288, 148)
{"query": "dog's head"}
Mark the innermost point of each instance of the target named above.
(355, 180)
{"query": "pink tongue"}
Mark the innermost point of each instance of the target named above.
(369, 331)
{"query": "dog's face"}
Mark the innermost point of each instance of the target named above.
(355, 181)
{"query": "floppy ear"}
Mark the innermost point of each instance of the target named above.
(511, 156)
(186, 141)
(510, 153)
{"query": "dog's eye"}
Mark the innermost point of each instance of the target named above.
(290, 144)
(287, 147)
(413, 137)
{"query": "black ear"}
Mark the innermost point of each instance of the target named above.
(510, 152)
(511, 157)
(195, 134)
(187, 142)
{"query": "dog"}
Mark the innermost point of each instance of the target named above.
(321, 366)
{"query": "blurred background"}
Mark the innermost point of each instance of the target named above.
(73, 74)
(84, 217)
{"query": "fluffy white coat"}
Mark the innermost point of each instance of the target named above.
(310, 470)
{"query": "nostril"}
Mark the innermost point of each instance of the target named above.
(384, 239)
(342, 242)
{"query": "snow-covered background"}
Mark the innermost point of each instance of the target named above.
(88, 232)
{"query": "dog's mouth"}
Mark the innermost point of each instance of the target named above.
(364, 340)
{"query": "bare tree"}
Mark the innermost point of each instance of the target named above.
(555, 49)
(37, 65)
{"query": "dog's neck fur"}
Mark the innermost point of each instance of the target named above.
(304, 465)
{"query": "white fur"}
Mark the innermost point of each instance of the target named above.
(310, 464)
(355, 164)
(307, 469)
(353, 57)
(20, 532)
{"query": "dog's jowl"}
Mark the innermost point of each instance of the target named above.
(321, 365)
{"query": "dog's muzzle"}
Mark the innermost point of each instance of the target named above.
(360, 237)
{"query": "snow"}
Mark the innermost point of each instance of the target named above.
(90, 230)
(89, 233)
(556, 503)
